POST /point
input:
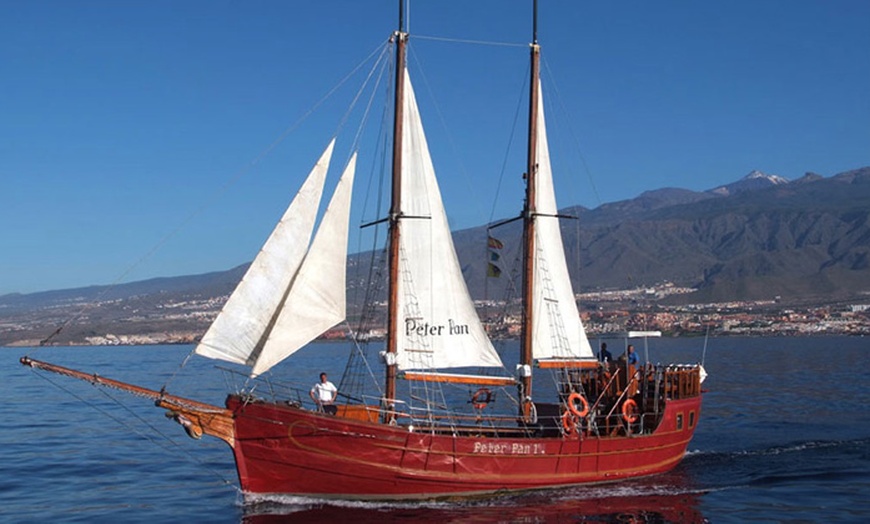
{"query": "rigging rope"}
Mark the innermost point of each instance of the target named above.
(384, 50)
(509, 145)
(564, 111)
(466, 41)
(179, 368)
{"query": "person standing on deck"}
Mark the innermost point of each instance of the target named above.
(323, 394)
(631, 356)
(604, 355)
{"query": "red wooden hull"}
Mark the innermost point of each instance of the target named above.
(285, 450)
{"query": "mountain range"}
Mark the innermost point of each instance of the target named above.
(758, 238)
(761, 237)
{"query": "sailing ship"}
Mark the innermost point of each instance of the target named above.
(414, 438)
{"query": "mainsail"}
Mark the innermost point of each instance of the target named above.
(557, 331)
(439, 327)
(239, 331)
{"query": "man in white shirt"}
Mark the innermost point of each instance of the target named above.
(323, 394)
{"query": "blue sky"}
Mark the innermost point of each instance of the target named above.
(132, 133)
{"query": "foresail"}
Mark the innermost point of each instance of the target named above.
(438, 325)
(557, 331)
(238, 331)
(317, 297)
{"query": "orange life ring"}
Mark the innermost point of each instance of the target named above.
(572, 405)
(568, 422)
(629, 411)
(481, 398)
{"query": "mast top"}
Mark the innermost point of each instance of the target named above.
(535, 22)
(402, 16)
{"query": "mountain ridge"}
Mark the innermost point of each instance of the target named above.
(795, 240)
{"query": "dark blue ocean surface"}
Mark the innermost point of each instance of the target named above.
(784, 436)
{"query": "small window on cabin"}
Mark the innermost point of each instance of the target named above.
(679, 421)
(691, 419)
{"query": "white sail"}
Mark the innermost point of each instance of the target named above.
(237, 334)
(317, 297)
(438, 325)
(557, 331)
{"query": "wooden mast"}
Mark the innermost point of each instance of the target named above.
(529, 212)
(401, 38)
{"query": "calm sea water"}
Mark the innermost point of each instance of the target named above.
(784, 436)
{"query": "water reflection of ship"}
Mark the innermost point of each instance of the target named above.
(570, 505)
